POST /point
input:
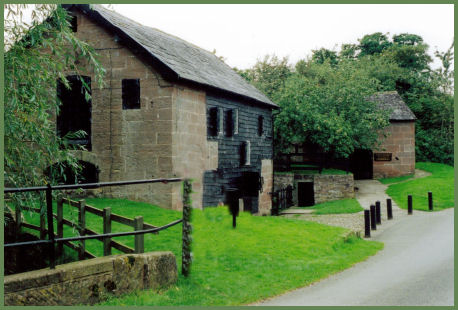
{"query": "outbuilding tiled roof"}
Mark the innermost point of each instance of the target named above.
(392, 101)
(186, 61)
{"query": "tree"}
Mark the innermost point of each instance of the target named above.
(322, 55)
(269, 74)
(37, 55)
(329, 107)
(372, 44)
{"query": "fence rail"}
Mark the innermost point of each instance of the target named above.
(140, 228)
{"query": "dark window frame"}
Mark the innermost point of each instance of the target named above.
(212, 127)
(74, 115)
(260, 125)
(229, 123)
(131, 94)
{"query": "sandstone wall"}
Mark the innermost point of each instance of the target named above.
(401, 143)
(129, 144)
(192, 154)
(265, 198)
(326, 187)
(90, 281)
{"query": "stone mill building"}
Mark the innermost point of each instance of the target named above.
(167, 109)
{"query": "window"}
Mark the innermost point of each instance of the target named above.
(229, 123)
(73, 23)
(212, 122)
(130, 94)
(75, 111)
(260, 125)
(245, 153)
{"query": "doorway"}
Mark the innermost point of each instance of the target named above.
(361, 164)
(305, 194)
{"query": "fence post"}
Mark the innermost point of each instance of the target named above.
(378, 212)
(106, 230)
(409, 204)
(186, 258)
(430, 201)
(389, 209)
(42, 225)
(60, 225)
(373, 218)
(18, 216)
(82, 227)
(139, 239)
(52, 250)
(367, 225)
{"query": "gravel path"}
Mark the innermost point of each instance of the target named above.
(369, 191)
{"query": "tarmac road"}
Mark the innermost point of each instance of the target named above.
(414, 268)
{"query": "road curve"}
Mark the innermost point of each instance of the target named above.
(415, 268)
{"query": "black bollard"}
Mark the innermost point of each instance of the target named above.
(430, 201)
(373, 224)
(409, 204)
(389, 209)
(232, 200)
(378, 213)
(367, 224)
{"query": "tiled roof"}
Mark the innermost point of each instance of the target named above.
(187, 61)
(392, 101)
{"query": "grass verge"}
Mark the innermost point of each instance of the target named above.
(396, 179)
(440, 183)
(261, 258)
(337, 207)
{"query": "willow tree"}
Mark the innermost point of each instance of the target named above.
(37, 53)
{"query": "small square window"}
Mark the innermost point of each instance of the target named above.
(130, 94)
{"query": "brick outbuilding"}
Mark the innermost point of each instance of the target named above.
(167, 109)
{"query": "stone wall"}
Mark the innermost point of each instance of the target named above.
(90, 281)
(192, 154)
(400, 142)
(325, 187)
(129, 144)
(265, 198)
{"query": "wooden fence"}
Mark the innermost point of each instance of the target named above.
(82, 208)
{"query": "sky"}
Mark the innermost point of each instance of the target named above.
(244, 33)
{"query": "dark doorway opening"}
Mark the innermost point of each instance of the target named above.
(305, 194)
(75, 111)
(361, 164)
(249, 185)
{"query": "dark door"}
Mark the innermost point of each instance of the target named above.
(361, 164)
(305, 194)
(248, 184)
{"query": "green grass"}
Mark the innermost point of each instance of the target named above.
(337, 207)
(262, 257)
(396, 179)
(440, 183)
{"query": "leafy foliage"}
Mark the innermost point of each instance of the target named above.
(320, 96)
(37, 55)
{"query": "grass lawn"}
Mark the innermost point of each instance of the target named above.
(337, 207)
(396, 179)
(440, 183)
(262, 257)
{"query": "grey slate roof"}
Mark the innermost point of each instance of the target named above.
(186, 60)
(392, 101)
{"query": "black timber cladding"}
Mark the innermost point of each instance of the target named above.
(229, 168)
